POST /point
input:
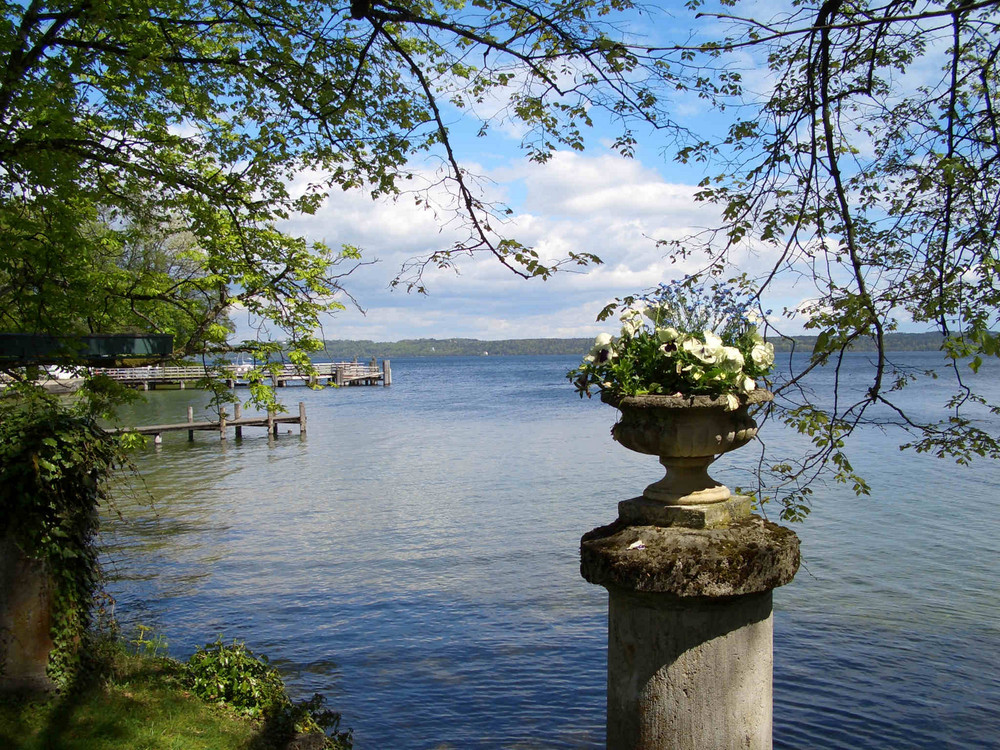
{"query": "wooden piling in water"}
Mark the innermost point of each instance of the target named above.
(237, 413)
(272, 422)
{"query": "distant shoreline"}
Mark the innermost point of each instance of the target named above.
(342, 349)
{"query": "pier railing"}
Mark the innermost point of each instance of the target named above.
(127, 374)
(335, 373)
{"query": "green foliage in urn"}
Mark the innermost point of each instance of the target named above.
(681, 339)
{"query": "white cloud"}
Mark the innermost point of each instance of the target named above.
(599, 203)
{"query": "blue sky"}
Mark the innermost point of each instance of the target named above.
(594, 201)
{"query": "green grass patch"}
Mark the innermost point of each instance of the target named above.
(140, 702)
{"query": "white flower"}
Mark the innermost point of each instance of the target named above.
(732, 359)
(762, 355)
(632, 321)
(667, 335)
(691, 372)
(602, 350)
(708, 352)
(748, 385)
(698, 349)
(732, 403)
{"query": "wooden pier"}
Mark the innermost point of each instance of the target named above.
(339, 374)
(237, 423)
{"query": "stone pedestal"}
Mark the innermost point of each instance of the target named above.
(25, 619)
(690, 630)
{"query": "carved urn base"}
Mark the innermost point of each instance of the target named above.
(687, 433)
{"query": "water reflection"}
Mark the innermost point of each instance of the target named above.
(415, 558)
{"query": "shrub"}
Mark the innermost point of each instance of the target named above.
(233, 676)
(53, 465)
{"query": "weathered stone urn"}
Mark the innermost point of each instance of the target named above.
(687, 433)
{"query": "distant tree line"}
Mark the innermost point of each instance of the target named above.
(365, 349)
(340, 349)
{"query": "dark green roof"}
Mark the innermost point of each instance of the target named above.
(42, 349)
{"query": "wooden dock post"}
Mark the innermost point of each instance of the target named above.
(386, 373)
(272, 422)
(237, 413)
(341, 377)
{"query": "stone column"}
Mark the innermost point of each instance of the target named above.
(689, 623)
(25, 619)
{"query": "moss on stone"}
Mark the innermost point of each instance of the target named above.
(747, 557)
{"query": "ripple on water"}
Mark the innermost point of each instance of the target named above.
(414, 558)
(855, 684)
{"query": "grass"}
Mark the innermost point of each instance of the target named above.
(138, 702)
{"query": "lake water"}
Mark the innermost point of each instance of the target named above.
(414, 557)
